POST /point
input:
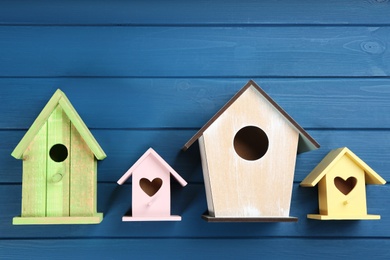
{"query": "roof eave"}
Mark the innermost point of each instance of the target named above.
(372, 177)
(36, 125)
(163, 163)
(306, 142)
(58, 97)
(82, 128)
(331, 159)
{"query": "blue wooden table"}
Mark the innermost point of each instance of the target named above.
(150, 73)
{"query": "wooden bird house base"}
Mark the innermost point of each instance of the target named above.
(96, 219)
(327, 217)
(168, 218)
(209, 218)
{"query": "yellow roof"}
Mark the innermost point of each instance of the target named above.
(331, 159)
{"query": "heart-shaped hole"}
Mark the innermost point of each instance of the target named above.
(345, 186)
(150, 187)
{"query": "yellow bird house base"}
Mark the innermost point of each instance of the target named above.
(341, 177)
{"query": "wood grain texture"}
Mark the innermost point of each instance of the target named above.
(194, 51)
(250, 188)
(151, 73)
(205, 12)
(80, 126)
(369, 145)
(95, 219)
(209, 218)
(306, 142)
(57, 169)
(190, 203)
(34, 178)
(83, 179)
(189, 103)
(277, 248)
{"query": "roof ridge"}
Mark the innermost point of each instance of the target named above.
(332, 158)
(161, 160)
(306, 142)
(58, 98)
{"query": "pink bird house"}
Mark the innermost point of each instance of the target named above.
(151, 198)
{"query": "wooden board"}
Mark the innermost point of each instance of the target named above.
(209, 218)
(190, 102)
(246, 12)
(190, 203)
(194, 51)
(168, 142)
(95, 219)
(83, 182)
(276, 248)
(164, 218)
(58, 169)
(34, 177)
(151, 73)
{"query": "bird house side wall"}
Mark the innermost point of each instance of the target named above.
(34, 176)
(206, 177)
(322, 197)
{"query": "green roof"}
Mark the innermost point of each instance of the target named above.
(59, 98)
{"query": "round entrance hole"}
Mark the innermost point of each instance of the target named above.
(251, 143)
(58, 153)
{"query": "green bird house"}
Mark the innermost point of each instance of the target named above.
(59, 156)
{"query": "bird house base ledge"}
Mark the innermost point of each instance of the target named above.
(95, 219)
(167, 218)
(209, 218)
(327, 217)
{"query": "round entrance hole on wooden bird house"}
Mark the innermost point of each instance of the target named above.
(251, 143)
(58, 153)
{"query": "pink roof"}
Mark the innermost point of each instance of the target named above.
(151, 152)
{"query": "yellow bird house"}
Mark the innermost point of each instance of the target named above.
(341, 177)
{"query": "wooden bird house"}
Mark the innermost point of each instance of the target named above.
(59, 157)
(341, 177)
(248, 152)
(151, 188)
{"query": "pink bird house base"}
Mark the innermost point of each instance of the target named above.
(151, 200)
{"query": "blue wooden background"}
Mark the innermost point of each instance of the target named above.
(150, 73)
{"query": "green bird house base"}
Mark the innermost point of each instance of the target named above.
(96, 219)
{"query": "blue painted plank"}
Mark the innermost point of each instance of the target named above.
(154, 75)
(279, 248)
(57, 51)
(190, 202)
(194, 12)
(189, 103)
(124, 147)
